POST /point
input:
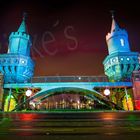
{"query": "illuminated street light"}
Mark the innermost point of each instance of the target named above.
(106, 92)
(28, 92)
(79, 78)
(78, 102)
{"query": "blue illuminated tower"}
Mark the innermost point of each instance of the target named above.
(17, 65)
(121, 62)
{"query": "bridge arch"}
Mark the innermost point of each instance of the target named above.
(45, 93)
(90, 93)
(76, 90)
(70, 90)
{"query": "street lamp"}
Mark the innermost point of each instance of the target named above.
(79, 78)
(28, 93)
(106, 92)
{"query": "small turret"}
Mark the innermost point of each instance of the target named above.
(20, 41)
(117, 39)
(22, 28)
(114, 26)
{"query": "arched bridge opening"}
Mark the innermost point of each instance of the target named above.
(67, 98)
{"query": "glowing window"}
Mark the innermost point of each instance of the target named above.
(114, 60)
(22, 61)
(122, 42)
(128, 59)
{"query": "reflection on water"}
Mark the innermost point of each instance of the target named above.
(27, 116)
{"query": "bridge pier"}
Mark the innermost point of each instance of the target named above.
(136, 89)
(1, 91)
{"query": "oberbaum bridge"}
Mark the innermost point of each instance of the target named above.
(119, 89)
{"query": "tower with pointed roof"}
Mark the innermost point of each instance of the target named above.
(20, 41)
(17, 65)
(121, 61)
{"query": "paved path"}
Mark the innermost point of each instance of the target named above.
(70, 126)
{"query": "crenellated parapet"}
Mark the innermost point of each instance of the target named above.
(16, 68)
(119, 66)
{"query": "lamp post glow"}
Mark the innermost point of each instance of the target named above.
(28, 92)
(106, 92)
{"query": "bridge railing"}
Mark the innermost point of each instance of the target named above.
(44, 79)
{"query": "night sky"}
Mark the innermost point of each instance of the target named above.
(69, 35)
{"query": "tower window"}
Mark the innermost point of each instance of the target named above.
(114, 60)
(122, 42)
(22, 61)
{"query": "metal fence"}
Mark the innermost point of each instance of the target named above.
(44, 79)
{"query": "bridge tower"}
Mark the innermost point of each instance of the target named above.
(17, 65)
(121, 61)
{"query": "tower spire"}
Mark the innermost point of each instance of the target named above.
(114, 25)
(22, 28)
